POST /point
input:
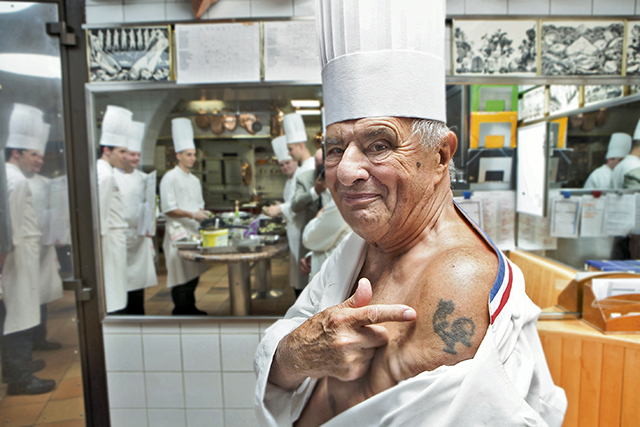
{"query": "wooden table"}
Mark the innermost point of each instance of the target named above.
(240, 271)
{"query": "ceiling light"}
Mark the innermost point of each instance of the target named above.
(29, 64)
(305, 103)
(308, 112)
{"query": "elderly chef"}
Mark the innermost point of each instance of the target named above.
(619, 147)
(50, 281)
(20, 309)
(141, 270)
(416, 318)
(630, 162)
(296, 134)
(113, 227)
(182, 203)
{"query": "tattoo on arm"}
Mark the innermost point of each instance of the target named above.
(460, 330)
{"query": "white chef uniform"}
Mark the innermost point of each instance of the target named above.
(629, 163)
(141, 269)
(113, 227)
(20, 275)
(323, 234)
(507, 383)
(619, 147)
(181, 190)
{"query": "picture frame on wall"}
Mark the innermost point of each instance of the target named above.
(129, 54)
(599, 93)
(590, 48)
(632, 67)
(495, 47)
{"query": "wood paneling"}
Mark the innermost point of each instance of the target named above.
(590, 381)
(631, 389)
(571, 370)
(611, 396)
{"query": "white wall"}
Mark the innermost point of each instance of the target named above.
(182, 374)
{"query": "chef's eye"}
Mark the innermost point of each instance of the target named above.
(379, 147)
(335, 151)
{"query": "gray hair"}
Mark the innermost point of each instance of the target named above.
(432, 133)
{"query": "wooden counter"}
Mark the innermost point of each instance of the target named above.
(599, 373)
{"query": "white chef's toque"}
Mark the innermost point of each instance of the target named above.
(619, 145)
(280, 149)
(26, 128)
(115, 127)
(182, 132)
(294, 128)
(136, 136)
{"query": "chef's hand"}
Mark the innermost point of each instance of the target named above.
(320, 185)
(200, 215)
(273, 211)
(338, 342)
(305, 265)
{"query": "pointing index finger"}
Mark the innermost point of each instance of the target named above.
(381, 313)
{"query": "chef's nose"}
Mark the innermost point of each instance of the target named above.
(353, 166)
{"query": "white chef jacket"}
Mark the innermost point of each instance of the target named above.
(507, 383)
(323, 234)
(141, 270)
(629, 163)
(50, 281)
(20, 275)
(600, 178)
(114, 244)
(180, 190)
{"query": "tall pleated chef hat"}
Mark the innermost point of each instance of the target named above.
(619, 145)
(115, 127)
(279, 146)
(136, 136)
(25, 128)
(182, 132)
(382, 58)
(44, 137)
(636, 134)
(294, 128)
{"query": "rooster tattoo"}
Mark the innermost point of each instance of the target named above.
(462, 328)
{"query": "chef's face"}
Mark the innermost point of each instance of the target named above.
(38, 163)
(186, 158)
(27, 161)
(116, 156)
(381, 177)
(133, 157)
(296, 151)
(288, 167)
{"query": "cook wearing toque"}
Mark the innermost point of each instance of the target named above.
(296, 135)
(141, 269)
(619, 147)
(113, 147)
(182, 203)
(20, 305)
(416, 318)
(630, 162)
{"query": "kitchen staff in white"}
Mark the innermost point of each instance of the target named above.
(141, 269)
(619, 147)
(416, 318)
(20, 310)
(296, 135)
(50, 281)
(630, 162)
(113, 227)
(182, 203)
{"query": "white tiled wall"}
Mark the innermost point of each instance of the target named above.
(139, 11)
(182, 375)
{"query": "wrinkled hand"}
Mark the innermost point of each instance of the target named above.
(338, 342)
(200, 215)
(305, 265)
(320, 185)
(273, 211)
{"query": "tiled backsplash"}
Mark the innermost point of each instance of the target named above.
(139, 11)
(181, 375)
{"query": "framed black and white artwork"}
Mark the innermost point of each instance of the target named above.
(599, 93)
(495, 47)
(592, 48)
(563, 98)
(129, 54)
(633, 48)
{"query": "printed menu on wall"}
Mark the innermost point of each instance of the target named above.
(291, 51)
(218, 53)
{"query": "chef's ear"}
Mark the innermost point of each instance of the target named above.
(445, 153)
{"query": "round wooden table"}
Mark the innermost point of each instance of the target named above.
(240, 271)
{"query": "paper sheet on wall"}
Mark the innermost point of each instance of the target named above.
(472, 207)
(291, 51)
(59, 232)
(147, 210)
(499, 217)
(533, 233)
(619, 214)
(219, 53)
(592, 218)
(565, 217)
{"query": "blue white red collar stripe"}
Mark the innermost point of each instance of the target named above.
(501, 288)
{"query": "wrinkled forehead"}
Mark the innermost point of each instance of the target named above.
(369, 128)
